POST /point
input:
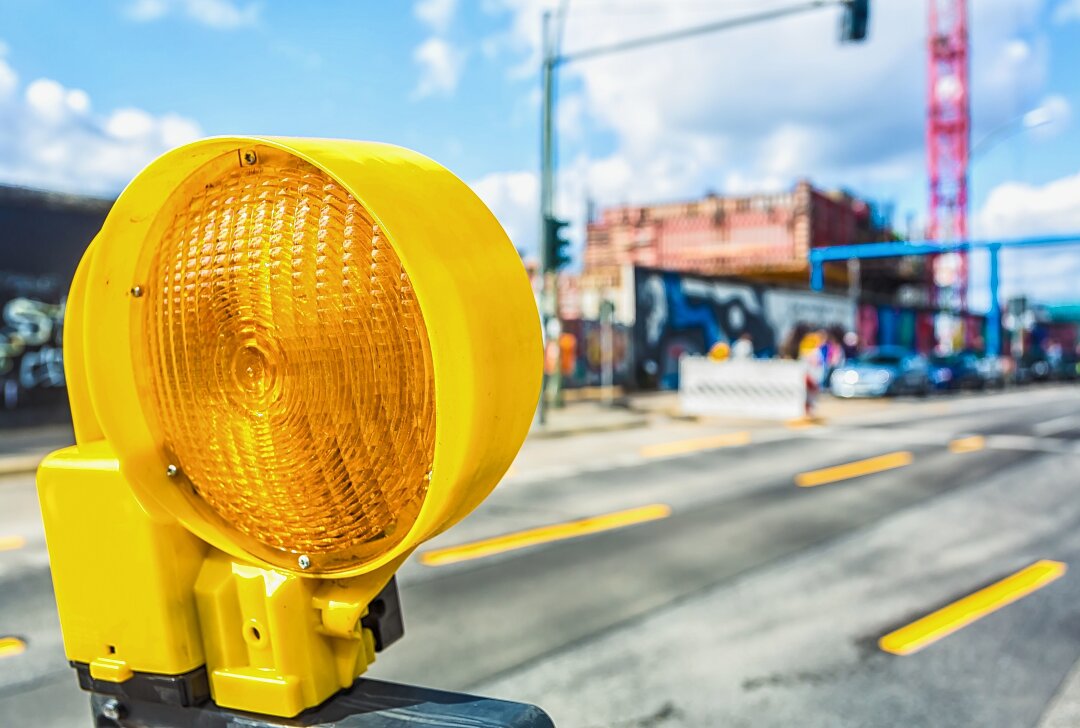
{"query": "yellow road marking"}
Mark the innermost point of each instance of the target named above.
(11, 646)
(854, 470)
(971, 608)
(968, 444)
(544, 534)
(10, 543)
(801, 423)
(681, 447)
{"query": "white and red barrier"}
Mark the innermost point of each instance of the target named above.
(760, 388)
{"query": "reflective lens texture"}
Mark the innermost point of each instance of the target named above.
(285, 363)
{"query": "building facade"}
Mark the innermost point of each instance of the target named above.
(762, 237)
(42, 237)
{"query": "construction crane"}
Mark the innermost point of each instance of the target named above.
(948, 133)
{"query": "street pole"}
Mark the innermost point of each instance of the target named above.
(854, 267)
(993, 316)
(548, 306)
(607, 351)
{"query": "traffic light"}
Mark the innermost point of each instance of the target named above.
(556, 247)
(855, 20)
(289, 362)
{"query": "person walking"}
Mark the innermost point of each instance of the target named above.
(743, 347)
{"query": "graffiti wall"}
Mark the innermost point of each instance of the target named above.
(583, 365)
(31, 355)
(681, 313)
(42, 238)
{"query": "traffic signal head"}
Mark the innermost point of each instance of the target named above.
(855, 20)
(289, 362)
(556, 246)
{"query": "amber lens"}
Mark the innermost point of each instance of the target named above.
(285, 363)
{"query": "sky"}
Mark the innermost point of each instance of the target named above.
(92, 91)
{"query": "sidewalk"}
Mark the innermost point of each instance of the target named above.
(827, 410)
(583, 417)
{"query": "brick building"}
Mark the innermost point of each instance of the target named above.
(765, 237)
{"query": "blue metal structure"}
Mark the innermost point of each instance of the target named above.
(820, 256)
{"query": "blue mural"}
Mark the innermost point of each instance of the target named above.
(681, 313)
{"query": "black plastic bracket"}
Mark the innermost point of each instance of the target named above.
(367, 704)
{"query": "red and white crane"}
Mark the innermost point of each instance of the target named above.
(948, 134)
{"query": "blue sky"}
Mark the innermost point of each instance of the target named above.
(89, 92)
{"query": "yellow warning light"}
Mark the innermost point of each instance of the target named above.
(290, 362)
(284, 363)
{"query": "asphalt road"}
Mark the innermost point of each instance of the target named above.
(755, 602)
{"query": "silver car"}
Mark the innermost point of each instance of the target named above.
(881, 372)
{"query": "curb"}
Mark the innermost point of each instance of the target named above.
(544, 434)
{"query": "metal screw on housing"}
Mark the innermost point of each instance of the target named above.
(112, 709)
(304, 562)
(248, 157)
(137, 291)
(172, 471)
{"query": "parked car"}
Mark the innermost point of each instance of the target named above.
(1033, 367)
(888, 370)
(956, 371)
(992, 371)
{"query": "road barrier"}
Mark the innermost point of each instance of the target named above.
(768, 389)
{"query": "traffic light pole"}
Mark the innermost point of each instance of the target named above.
(552, 59)
(549, 307)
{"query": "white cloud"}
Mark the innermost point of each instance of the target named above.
(440, 67)
(9, 80)
(1015, 209)
(1054, 114)
(440, 61)
(129, 123)
(437, 14)
(1067, 11)
(51, 102)
(50, 138)
(213, 13)
(514, 198)
(762, 106)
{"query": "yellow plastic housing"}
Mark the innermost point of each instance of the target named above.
(333, 343)
(289, 362)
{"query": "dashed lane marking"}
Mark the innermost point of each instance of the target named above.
(544, 534)
(11, 646)
(936, 625)
(11, 543)
(682, 447)
(854, 469)
(967, 444)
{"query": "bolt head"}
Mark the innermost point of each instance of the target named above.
(172, 471)
(304, 562)
(112, 709)
(249, 157)
(137, 291)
